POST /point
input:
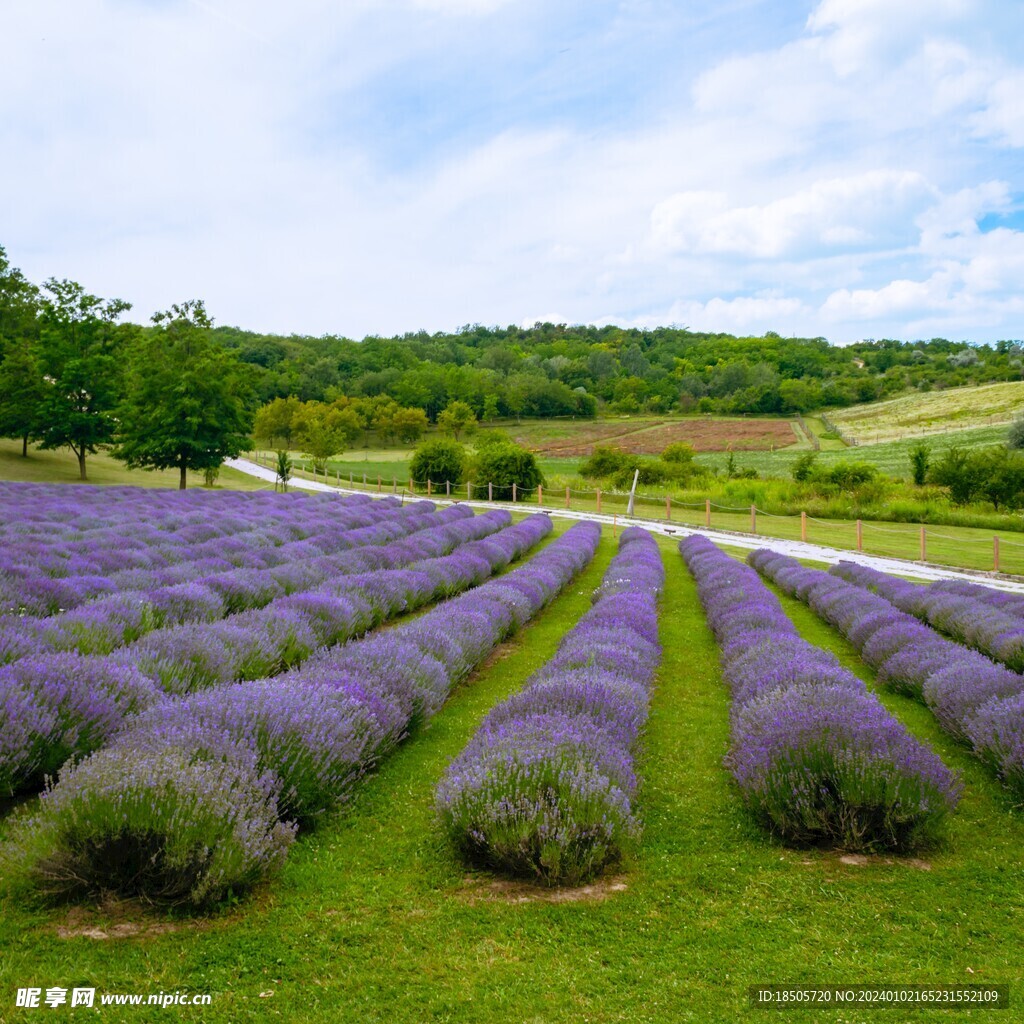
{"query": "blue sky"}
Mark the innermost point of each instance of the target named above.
(843, 168)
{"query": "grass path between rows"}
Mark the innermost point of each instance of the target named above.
(373, 919)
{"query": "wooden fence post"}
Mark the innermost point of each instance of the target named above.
(364, 478)
(411, 489)
(668, 507)
(428, 486)
(995, 553)
(599, 500)
(707, 513)
(803, 527)
(860, 536)
(448, 488)
(924, 546)
(513, 490)
(469, 490)
(540, 494)
(567, 497)
(490, 491)
(753, 519)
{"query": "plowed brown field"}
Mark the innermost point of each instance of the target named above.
(709, 435)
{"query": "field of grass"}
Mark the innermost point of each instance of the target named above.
(61, 467)
(931, 412)
(375, 920)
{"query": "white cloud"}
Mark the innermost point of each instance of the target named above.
(867, 209)
(1003, 116)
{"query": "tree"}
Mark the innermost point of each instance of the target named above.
(490, 407)
(284, 470)
(410, 425)
(506, 464)
(323, 431)
(458, 416)
(19, 306)
(21, 394)
(276, 421)
(80, 354)
(962, 472)
(187, 406)
(919, 460)
(1003, 480)
(439, 460)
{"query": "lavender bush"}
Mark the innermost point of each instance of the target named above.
(816, 757)
(163, 823)
(57, 706)
(545, 789)
(957, 684)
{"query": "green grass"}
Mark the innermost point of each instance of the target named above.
(919, 413)
(374, 920)
(61, 467)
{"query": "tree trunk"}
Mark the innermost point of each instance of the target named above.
(81, 462)
(182, 478)
(24, 446)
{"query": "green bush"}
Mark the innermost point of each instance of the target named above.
(679, 453)
(439, 460)
(504, 465)
(605, 461)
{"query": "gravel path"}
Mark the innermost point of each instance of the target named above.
(798, 549)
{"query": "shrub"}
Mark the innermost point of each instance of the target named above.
(604, 461)
(163, 824)
(505, 465)
(679, 453)
(56, 706)
(439, 460)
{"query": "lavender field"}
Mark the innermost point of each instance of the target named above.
(262, 744)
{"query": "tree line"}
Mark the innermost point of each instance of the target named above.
(562, 370)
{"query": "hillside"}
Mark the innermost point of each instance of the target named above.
(922, 414)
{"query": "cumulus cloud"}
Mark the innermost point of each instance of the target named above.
(877, 207)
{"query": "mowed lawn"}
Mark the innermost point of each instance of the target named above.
(374, 920)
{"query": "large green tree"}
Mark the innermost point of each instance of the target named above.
(22, 391)
(80, 355)
(187, 404)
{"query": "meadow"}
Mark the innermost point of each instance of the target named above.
(925, 413)
(375, 915)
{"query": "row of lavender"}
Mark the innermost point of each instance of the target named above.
(48, 563)
(545, 788)
(202, 795)
(56, 706)
(110, 622)
(973, 699)
(44, 577)
(816, 756)
(970, 619)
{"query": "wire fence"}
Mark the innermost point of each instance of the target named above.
(915, 541)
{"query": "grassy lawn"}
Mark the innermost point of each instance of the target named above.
(374, 920)
(61, 467)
